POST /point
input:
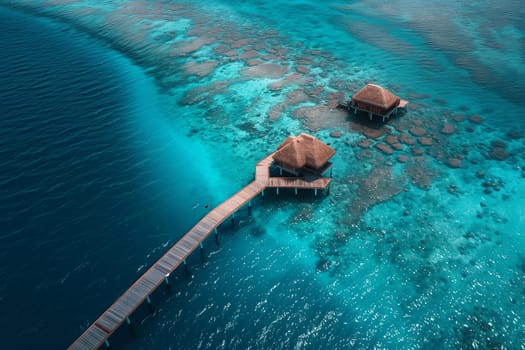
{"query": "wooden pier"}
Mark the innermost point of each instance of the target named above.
(119, 312)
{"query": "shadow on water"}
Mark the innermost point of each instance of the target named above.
(362, 119)
(361, 122)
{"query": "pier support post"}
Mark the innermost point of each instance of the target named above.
(166, 280)
(262, 193)
(281, 171)
(249, 204)
(355, 110)
(203, 256)
(315, 192)
(277, 190)
(233, 218)
(128, 321)
(186, 269)
(106, 343)
(150, 304)
(296, 191)
(370, 115)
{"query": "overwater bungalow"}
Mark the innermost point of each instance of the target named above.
(303, 155)
(376, 100)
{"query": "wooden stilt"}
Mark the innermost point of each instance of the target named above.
(281, 171)
(277, 190)
(355, 110)
(216, 232)
(262, 193)
(296, 191)
(370, 115)
(106, 343)
(315, 191)
(128, 321)
(203, 255)
(148, 299)
(166, 280)
(249, 204)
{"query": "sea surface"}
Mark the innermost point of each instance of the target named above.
(123, 122)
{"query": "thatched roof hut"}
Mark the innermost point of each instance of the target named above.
(376, 100)
(303, 152)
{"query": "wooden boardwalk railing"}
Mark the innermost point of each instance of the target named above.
(119, 312)
(292, 182)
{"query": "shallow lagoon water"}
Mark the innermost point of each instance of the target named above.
(421, 248)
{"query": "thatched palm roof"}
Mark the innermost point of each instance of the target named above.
(303, 151)
(375, 95)
(287, 141)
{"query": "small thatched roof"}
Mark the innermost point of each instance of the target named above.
(375, 95)
(303, 151)
(292, 154)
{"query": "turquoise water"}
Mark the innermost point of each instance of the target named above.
(174, 102)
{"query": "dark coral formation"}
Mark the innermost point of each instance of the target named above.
(422, 173)
(376, 186)
(498, 150)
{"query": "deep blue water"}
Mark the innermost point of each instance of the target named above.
(120, 121)
(89, 177)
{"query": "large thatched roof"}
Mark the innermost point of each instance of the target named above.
(375, 95)
(303, 151)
